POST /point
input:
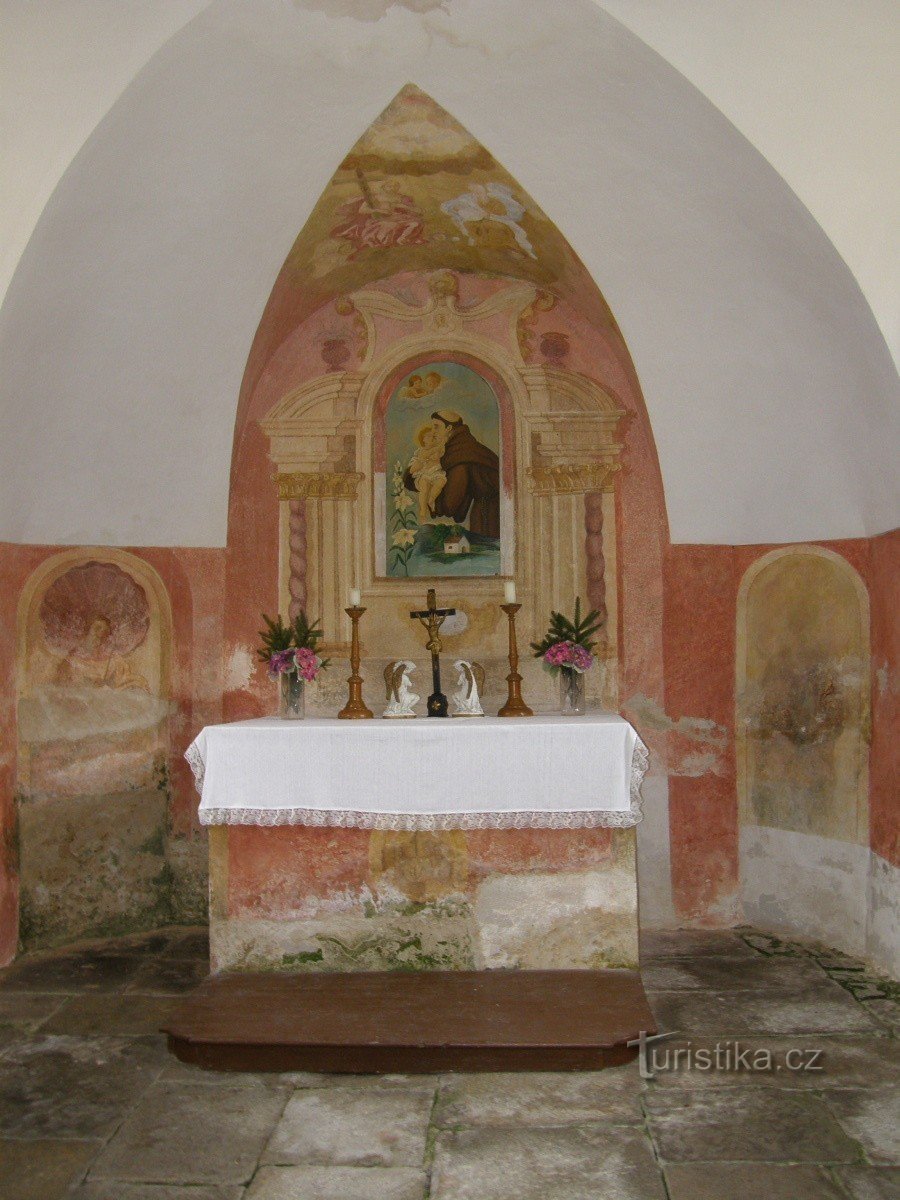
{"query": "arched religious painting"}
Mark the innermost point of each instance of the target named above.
(446, 503)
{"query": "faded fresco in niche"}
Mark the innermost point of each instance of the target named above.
(442, 499)
(91, 713)
(804, 696)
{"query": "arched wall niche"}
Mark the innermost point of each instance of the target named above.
(803, 695)
(94, 666)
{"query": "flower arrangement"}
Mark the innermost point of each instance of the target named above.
(567, 649)
(291, 648)
(567, 645)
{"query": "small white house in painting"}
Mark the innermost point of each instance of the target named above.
(457, 544)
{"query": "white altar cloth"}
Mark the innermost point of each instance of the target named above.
(545, 771)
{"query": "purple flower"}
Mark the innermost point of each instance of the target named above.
(280, 662)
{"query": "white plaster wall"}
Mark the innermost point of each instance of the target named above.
(126, 328)
(883, 932)
(63, 63)
(838, 893)
(814, 85)
(654, 857)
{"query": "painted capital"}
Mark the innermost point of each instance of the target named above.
(568, 479)
(323, 485)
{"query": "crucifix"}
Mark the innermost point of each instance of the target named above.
(432, 619)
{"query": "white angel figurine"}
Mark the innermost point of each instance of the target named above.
(399, 694)
(470, 682)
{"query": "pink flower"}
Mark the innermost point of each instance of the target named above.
(307, 663)
(570, 656)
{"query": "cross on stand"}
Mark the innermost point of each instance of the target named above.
(432, 618)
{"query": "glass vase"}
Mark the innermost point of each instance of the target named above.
(291, 702)
(571, 692)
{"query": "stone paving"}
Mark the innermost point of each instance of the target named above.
(805, 1105)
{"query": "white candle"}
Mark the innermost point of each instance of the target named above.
(509, 589)
(354, 597)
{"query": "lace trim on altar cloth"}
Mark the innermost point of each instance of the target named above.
(412, 821)
(197, 765)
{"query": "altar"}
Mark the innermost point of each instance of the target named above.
(370, 881)
(426, 844)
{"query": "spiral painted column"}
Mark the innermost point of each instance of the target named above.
(296, 556)
(593, 542)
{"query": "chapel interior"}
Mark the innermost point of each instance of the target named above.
(424, 320)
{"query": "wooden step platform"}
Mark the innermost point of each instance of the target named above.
(386, 1022)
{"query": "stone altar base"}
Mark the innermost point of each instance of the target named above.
(298, 899)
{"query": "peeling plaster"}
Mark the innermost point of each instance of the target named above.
(651, 718)
(697, 728)
(887, 681)
(239, 670)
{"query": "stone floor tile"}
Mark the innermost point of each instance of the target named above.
(352, 1127)
(175, 1071)
(600, 1162)
(885, 1011)
(764, 975)
(873, 1118)
(745, 1181)
(87, 970)
(111, 1189)
(692, 943)
(169, 976)
(337, 1183)
(184, 1133)
(116, 1014)
(746, 1125)
(309, 1079)
(60, 1086)
(827, 1008)
(870, 1183)
(805, 1062)
(541, 1098)
(42, 1169)
(771, 944)
(27, 1010)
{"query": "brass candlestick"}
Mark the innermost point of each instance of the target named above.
(515, 706)
(355, 708)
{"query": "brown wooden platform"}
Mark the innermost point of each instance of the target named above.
(380, 1022)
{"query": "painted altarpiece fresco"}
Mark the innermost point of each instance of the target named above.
(424, 258)
(559, 458)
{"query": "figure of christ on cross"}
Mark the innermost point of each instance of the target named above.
(432, 618)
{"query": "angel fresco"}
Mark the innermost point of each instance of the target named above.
(490, 216)
(91, 715)
(380, 218)
(444, 492)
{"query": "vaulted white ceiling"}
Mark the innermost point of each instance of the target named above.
(175, 160)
